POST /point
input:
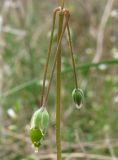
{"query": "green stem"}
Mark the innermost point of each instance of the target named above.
(72, 55)
(58, 90)
(61, 3)
(49, 53)
(55, 60)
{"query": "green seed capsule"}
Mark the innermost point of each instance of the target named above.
(78, 96)
(39, 123)
(36, 135)
(40, 119)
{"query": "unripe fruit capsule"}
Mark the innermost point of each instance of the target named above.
(78, 96)
(39, 123)
(36, 135)
(40, 119)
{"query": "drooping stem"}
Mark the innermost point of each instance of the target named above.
(72, 55)
(55, 59)
(49, 53)
(58, 90)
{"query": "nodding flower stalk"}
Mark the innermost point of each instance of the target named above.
(49, 54)
(40, 118)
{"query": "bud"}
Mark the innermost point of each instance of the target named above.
(78, 96)
(39, 124)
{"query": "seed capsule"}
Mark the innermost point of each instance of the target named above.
(40, 119)
(39, 124)
(78, 96)
(36, 135)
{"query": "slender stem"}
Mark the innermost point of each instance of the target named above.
(49, 53)
(58, 90)
(62, 4)
(55, 59)
(72, 55)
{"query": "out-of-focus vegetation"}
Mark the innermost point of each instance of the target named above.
(92, 132)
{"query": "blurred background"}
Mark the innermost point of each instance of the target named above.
(89, 133)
